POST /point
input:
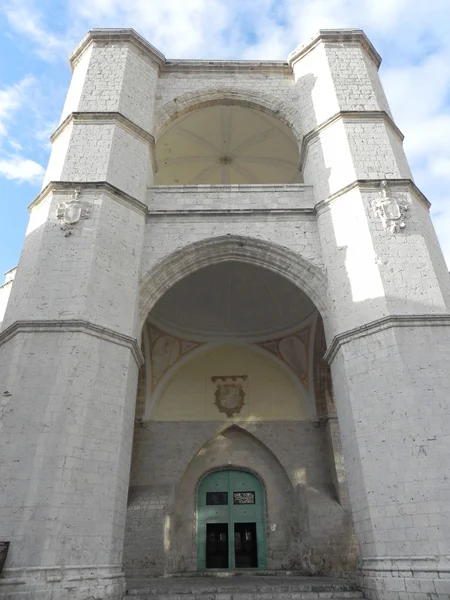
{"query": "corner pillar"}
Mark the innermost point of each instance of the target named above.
(70, 350)
(388, 328)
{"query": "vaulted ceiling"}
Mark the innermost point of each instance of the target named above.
(227, 144)
(232, 300)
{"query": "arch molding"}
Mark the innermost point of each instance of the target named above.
(184, 261)
(276, 107)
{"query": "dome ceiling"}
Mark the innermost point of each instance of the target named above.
(232, 300)
(227, 144)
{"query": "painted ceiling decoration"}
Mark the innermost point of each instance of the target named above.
(292, 350)
(165, 351)
(228, 145)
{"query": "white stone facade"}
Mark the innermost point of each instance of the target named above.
(94, 264)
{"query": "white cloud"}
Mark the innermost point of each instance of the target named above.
(15, 145)
(14, 166)
(11, 100)
(25, 19)
(21, 169)
(441, 167)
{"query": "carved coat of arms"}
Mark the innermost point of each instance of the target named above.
(389, 210)
(229, 394)
(71, 212)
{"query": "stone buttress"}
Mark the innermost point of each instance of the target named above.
(69, 357)
(387, 328)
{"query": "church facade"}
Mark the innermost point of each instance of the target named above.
(226, 345)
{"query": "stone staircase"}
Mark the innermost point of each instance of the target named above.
(241, 586)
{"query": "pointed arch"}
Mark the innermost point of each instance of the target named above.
(188, 259)
(234, 447)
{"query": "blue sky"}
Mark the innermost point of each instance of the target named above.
(37, 36)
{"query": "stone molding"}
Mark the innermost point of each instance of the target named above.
(286, 112)
(406, 566)
(430, 320)
(349, 115)
(68, 187)
(373, 185)
(336, 36)
(108, 118)
(74, 326)
(117, 35)
(76, 582)
(228, 66)
(56, 574)
(240, 188)
(259, 252)
(230, 212)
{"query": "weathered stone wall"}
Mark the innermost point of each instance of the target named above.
(313, 531)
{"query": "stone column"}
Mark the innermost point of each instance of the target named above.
(69, 352)
(388, 324)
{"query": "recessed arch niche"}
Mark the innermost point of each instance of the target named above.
(227, 144)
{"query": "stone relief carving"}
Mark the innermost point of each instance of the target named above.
(293, 350)
(229, 393)
(389, 210)
(71, 211)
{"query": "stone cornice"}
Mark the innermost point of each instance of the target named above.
(104, 36)
(195, 212)
(430, 320)
(232, 189)
(375, 185)
(74, 326)
(91, 186)
(227, 66)
(349, 115)
(104, 117)
(336, 36)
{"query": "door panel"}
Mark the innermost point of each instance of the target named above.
(245, 546)
(217, 546)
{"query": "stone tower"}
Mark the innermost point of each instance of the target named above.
(130, 212)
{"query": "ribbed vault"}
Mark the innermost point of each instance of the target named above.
(228, 145)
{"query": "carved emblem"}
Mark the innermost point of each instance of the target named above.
(389, 210)
(71, 212)
(229, 393)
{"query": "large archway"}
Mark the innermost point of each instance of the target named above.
(279, 259)
(230, 339)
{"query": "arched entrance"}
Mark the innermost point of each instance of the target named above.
(231, 521)
(235, 312)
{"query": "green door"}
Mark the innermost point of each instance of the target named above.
(230, 522)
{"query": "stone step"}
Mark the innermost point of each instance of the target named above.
(242, 588)
(142, 595)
